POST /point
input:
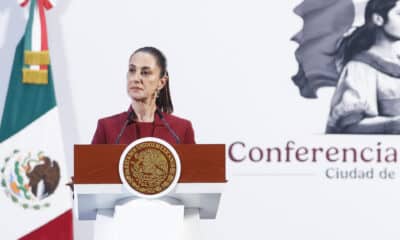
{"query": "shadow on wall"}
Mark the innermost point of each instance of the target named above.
(60, 69)
(61, 76)
(12, 26)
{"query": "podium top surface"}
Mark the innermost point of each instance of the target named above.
(98, 164)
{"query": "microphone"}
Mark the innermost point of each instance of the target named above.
(128, 121)
(160, 115)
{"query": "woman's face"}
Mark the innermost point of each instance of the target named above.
(144, 77)
(392, 26)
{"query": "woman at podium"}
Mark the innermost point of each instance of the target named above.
(150, 112)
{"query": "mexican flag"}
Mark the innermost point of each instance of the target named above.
(35, 203)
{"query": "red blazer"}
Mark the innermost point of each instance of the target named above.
(108, 129)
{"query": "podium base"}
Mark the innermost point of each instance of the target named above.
(147, 219)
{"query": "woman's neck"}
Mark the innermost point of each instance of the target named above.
(144, 111)
(386, 48)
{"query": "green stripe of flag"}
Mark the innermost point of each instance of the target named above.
(24, 102)
(28, 29)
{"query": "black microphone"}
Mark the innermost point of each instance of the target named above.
(160, 115)
(129, 120)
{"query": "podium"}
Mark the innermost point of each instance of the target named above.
(98, 187)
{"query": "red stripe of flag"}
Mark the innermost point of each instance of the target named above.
(43, 29)
(23, 4)
(60, 228)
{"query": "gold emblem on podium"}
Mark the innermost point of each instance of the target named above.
(149, 166)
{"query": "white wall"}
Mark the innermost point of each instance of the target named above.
(230, 65)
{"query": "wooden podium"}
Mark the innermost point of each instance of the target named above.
(98, 185)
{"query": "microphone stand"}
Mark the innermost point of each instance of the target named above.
(160, 115)
(127, 122)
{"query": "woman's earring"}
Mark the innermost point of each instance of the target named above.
(378, 19)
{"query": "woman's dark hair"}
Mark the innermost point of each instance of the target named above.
(365, 36)
(163, 102)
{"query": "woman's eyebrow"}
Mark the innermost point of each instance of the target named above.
(142, 68)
